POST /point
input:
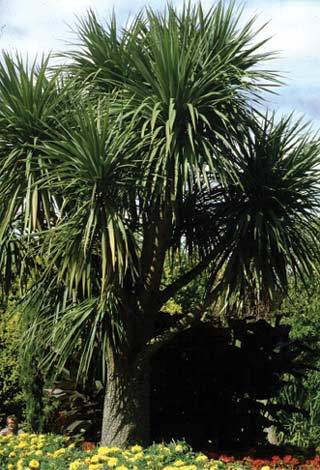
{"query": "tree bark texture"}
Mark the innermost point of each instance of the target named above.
(126, 414)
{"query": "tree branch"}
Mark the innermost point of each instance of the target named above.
(182, 324)
(157, 342)
(157, 232)
(182, 281)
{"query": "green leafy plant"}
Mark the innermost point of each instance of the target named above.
(301, 311)
(72, 409)
(11, 395)
(301, 428)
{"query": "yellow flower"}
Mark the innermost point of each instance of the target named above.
(169, 467)
(112, 462)
(265, 467)
(10, 466)
(201, 458)
(12, 454)
(75, 465)
(71, 446)
(59, 452)
(95, 459)
(165, 450)
(189, 467)
(34, 464)
(179, 448)
(178, 463)
(22, 444)
(136, 449)
(108, 450)
(95, 466)
(38, 453)
(214, 467)
(136, 457)
(103, 450)
(113, 450)
(122, 467)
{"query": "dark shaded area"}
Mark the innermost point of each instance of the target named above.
(211, 385)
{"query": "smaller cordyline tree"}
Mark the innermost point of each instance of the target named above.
(146, 145)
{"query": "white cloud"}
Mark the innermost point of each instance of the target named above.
(294, 25)
(295, 30)
(36, 26)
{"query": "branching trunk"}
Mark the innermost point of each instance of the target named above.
(126, 414)
(161, 340)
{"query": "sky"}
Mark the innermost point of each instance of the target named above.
(40, 26)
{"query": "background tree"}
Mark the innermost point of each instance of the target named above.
(301, 311)
(143, 147)
(11, 396)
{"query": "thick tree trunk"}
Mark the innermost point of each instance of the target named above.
(126, 414)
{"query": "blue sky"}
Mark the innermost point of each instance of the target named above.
(36, 26)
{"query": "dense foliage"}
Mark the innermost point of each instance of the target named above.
(302, 312)
(11, 395)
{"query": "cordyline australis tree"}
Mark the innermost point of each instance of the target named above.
(144, 146)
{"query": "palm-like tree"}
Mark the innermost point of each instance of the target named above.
(142, 147)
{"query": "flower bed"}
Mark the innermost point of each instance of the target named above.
(50, 452)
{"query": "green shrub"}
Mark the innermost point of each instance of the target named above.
(302, 428)
(302, 312)
(11, 396)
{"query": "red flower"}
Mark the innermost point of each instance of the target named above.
(226, 458)
(312, 463)
(289, 460)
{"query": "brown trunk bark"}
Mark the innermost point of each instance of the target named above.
(126, 414)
